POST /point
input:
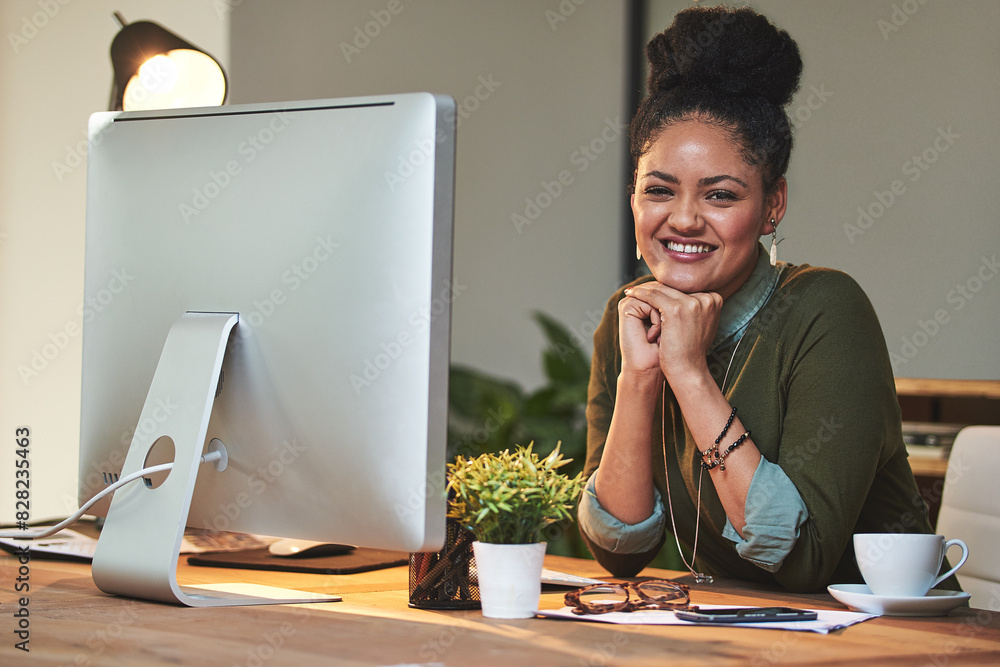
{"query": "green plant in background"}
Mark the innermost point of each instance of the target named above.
(511, 497)
(490, 414)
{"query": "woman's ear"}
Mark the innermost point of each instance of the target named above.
(776, 203)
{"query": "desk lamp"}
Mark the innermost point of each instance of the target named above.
(156, 69)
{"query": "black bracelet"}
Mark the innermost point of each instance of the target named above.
(725, 430)
(719, 459)
(714, 449)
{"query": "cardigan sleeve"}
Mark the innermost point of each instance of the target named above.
(614, 535)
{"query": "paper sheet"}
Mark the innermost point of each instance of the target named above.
(827, 621)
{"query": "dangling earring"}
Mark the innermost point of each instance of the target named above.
(774, 242)
(638, 253)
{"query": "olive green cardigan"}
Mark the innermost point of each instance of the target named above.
(812, 380)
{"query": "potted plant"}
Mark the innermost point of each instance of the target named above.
(507, 500)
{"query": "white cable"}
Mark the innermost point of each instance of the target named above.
(46, 532)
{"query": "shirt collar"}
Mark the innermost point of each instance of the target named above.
(739, 309)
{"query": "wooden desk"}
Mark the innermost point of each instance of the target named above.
(73, 623)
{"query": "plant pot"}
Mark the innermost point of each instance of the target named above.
(510, 578)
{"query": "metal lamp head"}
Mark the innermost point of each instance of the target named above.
(156, 69)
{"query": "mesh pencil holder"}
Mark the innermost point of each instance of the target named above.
(446, 579)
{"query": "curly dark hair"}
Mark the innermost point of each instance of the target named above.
(732, 68)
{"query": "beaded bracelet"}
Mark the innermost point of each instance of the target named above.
(715, 448)
(719, 459)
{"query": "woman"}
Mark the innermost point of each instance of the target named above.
(745, 405)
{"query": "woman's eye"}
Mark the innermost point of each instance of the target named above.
(722, 195)
(658, 191)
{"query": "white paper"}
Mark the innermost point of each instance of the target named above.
(827, 621)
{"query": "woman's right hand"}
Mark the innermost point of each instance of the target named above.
(639, 331)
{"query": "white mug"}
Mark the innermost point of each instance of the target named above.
(904, 564)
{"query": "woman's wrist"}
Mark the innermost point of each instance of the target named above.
(637, 384)
(693, 380)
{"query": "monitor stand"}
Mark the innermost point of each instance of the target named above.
(139, 547)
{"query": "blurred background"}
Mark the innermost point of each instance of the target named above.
(890, 180)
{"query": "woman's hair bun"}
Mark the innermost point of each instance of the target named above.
(733, 52)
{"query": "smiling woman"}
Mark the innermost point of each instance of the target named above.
(815, 452)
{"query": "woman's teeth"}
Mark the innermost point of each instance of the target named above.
(689, 248)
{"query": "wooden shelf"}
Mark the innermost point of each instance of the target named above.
(929, 466)
(953, 388)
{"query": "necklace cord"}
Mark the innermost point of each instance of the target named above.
(699, 577)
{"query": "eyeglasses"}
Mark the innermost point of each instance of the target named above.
(649, 594)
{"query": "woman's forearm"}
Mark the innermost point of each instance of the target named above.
(624, 483)
(706, 411)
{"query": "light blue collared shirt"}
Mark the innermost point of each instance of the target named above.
(774, 509)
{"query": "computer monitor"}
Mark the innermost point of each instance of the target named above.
(275, 278)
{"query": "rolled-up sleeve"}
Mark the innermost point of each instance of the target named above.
(616, 536)
(774, 512)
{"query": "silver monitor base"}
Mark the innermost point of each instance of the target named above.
(138, 550)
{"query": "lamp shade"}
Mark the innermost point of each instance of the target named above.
(156, 69)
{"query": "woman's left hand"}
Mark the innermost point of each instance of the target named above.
(686, 328)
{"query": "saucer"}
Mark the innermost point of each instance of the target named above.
(860, 598)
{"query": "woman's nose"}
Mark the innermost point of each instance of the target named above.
(685, 217)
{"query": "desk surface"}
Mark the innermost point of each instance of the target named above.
(73, 623)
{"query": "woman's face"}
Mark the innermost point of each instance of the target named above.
(700, 209)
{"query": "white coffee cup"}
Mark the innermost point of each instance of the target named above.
(904, 564)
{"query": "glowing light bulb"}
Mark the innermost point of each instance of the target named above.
(158, 74)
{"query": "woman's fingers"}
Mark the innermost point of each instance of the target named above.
(682, 325)
(653, 332)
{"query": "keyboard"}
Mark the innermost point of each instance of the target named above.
(554, 578)
(64, 545)
(73, 546)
